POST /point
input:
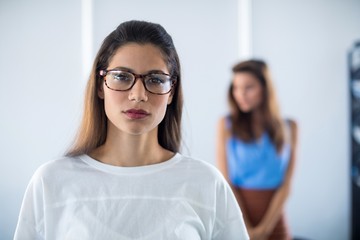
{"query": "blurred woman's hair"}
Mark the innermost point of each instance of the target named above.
(241, 122)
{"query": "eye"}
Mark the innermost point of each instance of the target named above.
(122, 76)
(157, 79)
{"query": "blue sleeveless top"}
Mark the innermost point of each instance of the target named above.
(256, 164)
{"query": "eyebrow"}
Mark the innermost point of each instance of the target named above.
(132, 71)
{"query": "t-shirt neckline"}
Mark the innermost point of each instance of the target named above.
(129, 170)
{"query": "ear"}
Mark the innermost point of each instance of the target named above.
(100, 92)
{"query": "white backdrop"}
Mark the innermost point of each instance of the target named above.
(41, 64)
(40, 92)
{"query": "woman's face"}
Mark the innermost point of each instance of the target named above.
(247, 91)
(135, 111)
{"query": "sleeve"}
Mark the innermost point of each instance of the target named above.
(229, 223)
(31, 217)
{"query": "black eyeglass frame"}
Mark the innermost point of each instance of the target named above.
(103, 73)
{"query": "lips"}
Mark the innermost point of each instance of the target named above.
(136, 113)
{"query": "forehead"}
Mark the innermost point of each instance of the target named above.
(139, 58)
(245, 78)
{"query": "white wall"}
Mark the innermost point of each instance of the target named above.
(40, 92)
(306, 44)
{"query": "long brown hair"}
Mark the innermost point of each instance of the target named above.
(92, 132)
(241, 122)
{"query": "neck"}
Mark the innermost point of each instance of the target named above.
(121, 149)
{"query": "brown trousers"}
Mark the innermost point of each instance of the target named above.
(256, 203)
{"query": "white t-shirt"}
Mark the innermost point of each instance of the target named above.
(80, 198)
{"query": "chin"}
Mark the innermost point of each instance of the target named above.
(136, 132)
(245, 109)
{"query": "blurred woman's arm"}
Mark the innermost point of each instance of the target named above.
(221, 161)
(276, 206)
(221, 148)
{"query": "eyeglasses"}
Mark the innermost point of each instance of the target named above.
(119, 80)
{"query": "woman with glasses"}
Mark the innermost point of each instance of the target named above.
(124, 177)
(256, 151)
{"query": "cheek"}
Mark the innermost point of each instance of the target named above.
(256, 96)
(113, 100)
(160, 106)
(236, 93)
(233, 92)
(163, 105)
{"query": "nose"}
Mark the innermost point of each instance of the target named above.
(138, 92)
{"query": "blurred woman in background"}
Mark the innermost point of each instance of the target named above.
(256, 151)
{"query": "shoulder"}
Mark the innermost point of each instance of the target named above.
(48, 174)
(224, 125)
(225, 121)
(222, 122)
(54, 168)
(293, 129)
(293, 125)
(201, 169)
(198, 164)
(208, 179)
